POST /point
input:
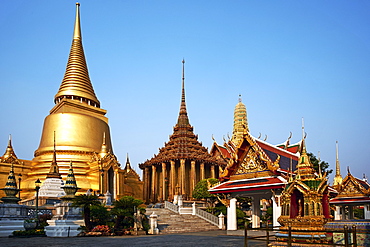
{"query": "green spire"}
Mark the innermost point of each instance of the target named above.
(70, 188)
(10, 189)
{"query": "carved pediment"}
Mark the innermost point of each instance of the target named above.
(350, 189)
(107, 161)
(251, 163)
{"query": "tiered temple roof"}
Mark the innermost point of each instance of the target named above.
(183, 143)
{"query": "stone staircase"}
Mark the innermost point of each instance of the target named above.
(170, 222)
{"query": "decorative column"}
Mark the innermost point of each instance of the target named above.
(202, 174)
(115, 184)
(213, 174)
(256, 212)
(350, 212)
(192, 177)
(164, 181)
(172, 179)
(182, 178)
(146, 183)
(337, 215)
(367, 211)
(154, 183)
(276, 208)
(231, 216)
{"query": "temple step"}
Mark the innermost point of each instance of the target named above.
(170, 222)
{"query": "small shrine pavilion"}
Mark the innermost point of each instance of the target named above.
(305, 203)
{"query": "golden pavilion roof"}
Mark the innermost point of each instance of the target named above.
(183, 143)
(76, 83)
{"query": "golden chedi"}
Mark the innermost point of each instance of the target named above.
(81, 130)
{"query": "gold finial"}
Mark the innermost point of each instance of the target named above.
(183, 73)
(302, 128)
(338, 177)
(240, 98)
(77, 29)
(291, 170)
(54, 169)
(320, 174)
(183, 119)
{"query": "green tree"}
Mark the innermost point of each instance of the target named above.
(124, 210)
(201, 190)
(85, 202)
(100, 215)
(323, 165)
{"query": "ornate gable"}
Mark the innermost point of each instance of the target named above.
(249, 161)
(353, 187)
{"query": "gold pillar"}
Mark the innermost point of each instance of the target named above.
(154, 183)
(182, 177)
(164, 183)
(202, 174)
(213, 174)
(146, 183)
(172, 179)
(115, 185)
(192, 177)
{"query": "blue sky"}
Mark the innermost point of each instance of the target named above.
(288, 60)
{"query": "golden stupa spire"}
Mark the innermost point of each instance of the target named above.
(305, 168)
(240, 122)
(76, 84)
(104, 148)
(338, 177)
(183, 119)
(128, 165)
(9, 150)
(54, 169)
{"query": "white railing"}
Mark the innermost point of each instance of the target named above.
(174, 208)
(206, 216)
(185, 211)
(194, 211)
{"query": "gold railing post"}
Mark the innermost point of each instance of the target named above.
(289, 236)
(354, 236)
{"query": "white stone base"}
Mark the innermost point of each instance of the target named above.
(60, 228)
(8, 226)
(154, 231)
